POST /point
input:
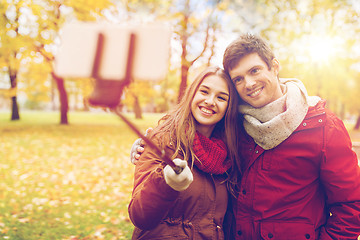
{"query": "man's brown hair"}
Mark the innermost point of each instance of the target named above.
(245, 45)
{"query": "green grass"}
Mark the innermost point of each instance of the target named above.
(66, 181)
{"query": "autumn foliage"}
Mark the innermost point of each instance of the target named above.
(66, 182)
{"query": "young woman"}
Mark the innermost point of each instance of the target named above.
(200, 135)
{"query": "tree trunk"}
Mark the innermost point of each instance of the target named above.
(86, 105)
(185, 65)
(137, 108)
(357, 125)
(342, 111)
(183, 83)
(15, 108)
(64, 105)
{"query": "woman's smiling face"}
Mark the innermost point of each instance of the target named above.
(210, 103)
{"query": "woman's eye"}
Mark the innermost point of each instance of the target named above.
(204, 91)
(223, 98)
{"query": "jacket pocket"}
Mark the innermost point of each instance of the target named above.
(272, 230)
(164, 231)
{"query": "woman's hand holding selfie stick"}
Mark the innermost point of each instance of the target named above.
(178, 181)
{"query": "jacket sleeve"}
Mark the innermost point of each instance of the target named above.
(340, 176)
(151, 197)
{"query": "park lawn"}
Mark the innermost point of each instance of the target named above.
(66, 181)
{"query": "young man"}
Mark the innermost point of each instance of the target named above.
(301, 179)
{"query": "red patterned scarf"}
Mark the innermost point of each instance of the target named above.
(211, 153)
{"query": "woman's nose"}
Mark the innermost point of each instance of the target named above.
(210, 101)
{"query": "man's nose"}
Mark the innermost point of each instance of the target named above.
(249, 82)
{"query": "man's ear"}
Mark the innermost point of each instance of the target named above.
(276, 66)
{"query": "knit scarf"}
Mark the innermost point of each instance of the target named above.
(211, 154)
(272, 124)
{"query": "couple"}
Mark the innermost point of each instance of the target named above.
(281, 169)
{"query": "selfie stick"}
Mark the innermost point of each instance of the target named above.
(103, 97)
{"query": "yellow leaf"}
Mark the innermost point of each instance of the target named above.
(24, 220)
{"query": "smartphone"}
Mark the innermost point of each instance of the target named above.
(76, 53)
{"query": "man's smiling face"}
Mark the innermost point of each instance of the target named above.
(255, 83)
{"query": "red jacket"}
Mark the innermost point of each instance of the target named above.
(308, 187)
(159, 212)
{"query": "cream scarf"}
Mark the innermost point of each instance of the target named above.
(272, 124)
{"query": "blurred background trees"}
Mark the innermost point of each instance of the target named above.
(316, 41)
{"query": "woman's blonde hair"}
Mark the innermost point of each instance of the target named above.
(180, 123)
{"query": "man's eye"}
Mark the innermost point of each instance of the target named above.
(255, 70)
(237, 80)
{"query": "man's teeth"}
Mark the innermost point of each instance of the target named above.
(255, 93)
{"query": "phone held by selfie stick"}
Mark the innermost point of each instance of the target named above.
(107, 92)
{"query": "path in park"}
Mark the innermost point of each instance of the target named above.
(356, 147)
(355, 136)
